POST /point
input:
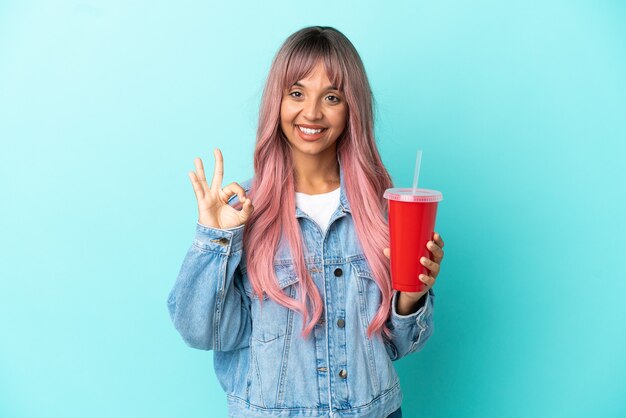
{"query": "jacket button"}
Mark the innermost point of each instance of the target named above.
(338, 272)
(341, 323)
(343, 374)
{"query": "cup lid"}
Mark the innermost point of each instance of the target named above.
(407, 195)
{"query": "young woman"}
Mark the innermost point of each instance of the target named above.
(293, 292)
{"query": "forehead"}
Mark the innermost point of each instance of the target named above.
(311, 69)
(317, 76)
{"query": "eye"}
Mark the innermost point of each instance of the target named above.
(335, 99)
(295, 92)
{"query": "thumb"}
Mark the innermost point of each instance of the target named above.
(387, 252)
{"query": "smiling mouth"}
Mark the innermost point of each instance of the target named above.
(309, 131)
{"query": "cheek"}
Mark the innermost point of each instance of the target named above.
(286, 120)
(341, 120)
(287, 113)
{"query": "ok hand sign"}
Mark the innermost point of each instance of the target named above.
(213, 208)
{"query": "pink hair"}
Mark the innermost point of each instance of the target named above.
(273, 188)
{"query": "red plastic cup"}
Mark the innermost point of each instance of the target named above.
(411, 226)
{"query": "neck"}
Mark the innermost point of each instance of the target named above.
(315, 175)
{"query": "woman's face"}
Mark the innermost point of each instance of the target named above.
(314, 104)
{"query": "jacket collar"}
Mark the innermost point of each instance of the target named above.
(343, 198)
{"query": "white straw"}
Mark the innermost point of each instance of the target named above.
(418, 161)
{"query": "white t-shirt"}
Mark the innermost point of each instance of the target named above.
(320, 207)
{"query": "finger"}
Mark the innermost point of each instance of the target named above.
(427, 280)
(430, 265)
(438, 239)
(436, 250)
(387, 252)
(218, 173)
(200, 174)
(231, 189)
(246, 210)
(197, 187)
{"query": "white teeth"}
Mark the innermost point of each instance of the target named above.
(310, 131)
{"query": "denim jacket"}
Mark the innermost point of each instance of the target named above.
(263, 364)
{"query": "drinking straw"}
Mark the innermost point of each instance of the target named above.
(418, 161)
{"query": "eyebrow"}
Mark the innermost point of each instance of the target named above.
(326, 88)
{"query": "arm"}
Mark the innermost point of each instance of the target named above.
(207, 304)
(407, 305)
(411, 329)
(410, 332)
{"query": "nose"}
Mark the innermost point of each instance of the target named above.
(312, 110)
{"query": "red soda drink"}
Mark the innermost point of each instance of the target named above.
(412, 214)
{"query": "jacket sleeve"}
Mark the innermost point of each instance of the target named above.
(410, 332)
(207, 303)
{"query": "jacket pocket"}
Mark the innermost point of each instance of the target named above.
(270, 320)
(370, 295)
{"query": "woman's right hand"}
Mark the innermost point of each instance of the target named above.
(213, 207)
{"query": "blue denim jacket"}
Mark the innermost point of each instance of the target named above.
(263, 364)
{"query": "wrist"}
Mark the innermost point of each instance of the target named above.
(409, 302)
(412, 296)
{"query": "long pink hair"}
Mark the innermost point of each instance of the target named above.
(273, 188)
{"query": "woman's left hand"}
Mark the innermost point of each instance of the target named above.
(434, 266)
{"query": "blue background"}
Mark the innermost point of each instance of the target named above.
(520, 108)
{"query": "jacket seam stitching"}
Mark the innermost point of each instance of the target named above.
(286, 352)
(364, 322)
(388, 392)
(219, 305)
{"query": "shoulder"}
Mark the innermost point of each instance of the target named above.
(247, 184)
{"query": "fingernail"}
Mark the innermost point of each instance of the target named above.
(423, 259)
